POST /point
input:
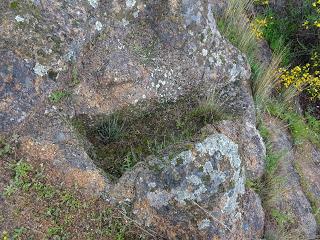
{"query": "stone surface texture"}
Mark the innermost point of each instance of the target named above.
(197, 194)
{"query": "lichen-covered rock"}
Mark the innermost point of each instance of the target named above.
(21, 90)
(197, 194)
(161, 50)
(118, 54)
(251, 145)
(307, 165)
(104, 55)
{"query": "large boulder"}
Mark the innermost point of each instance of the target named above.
(117, 53)
(106, 55)
(196, 194)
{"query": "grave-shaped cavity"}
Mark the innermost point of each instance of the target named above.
(119, 140)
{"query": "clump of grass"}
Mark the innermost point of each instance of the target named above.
(210, 109)
(236, 26)
(281, 218)
(266, 79)
(110, 129)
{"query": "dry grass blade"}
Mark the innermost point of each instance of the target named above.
(211, 216)
(153, 234)
(267, 79)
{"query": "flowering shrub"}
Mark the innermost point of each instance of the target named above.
(313, 20)
(306, 77)
(257, 26)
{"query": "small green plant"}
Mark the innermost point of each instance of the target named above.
(69, 200)
(254, 185)
(264, 131)
(130, 160)
(281, 218)
(74, 75)
(18, 232)
(111, 129)
(21, 170)
(44, 190)
(14, 5)
(56, 232)
(272, 162)
(57, 96)
(5, 148)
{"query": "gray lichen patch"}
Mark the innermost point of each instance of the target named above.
(209, 155)
(93, 3)
(195, 181)
(40, 70)
(130, 3)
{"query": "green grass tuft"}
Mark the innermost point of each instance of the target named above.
(302, 129)
(111, 129)
(58, 96)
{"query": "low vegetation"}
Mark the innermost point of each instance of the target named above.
(58, 96)
(293, 69)
(34, 208)
(127, 136)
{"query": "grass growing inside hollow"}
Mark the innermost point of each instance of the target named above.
(129, 135)
(111, 129)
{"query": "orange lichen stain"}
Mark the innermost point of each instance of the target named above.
(40, 151)
(90, 180)
(5, 103)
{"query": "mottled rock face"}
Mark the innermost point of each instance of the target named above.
(120, 53)
(251, 145)
(20, 90)
(197, 194)
(161, 50)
